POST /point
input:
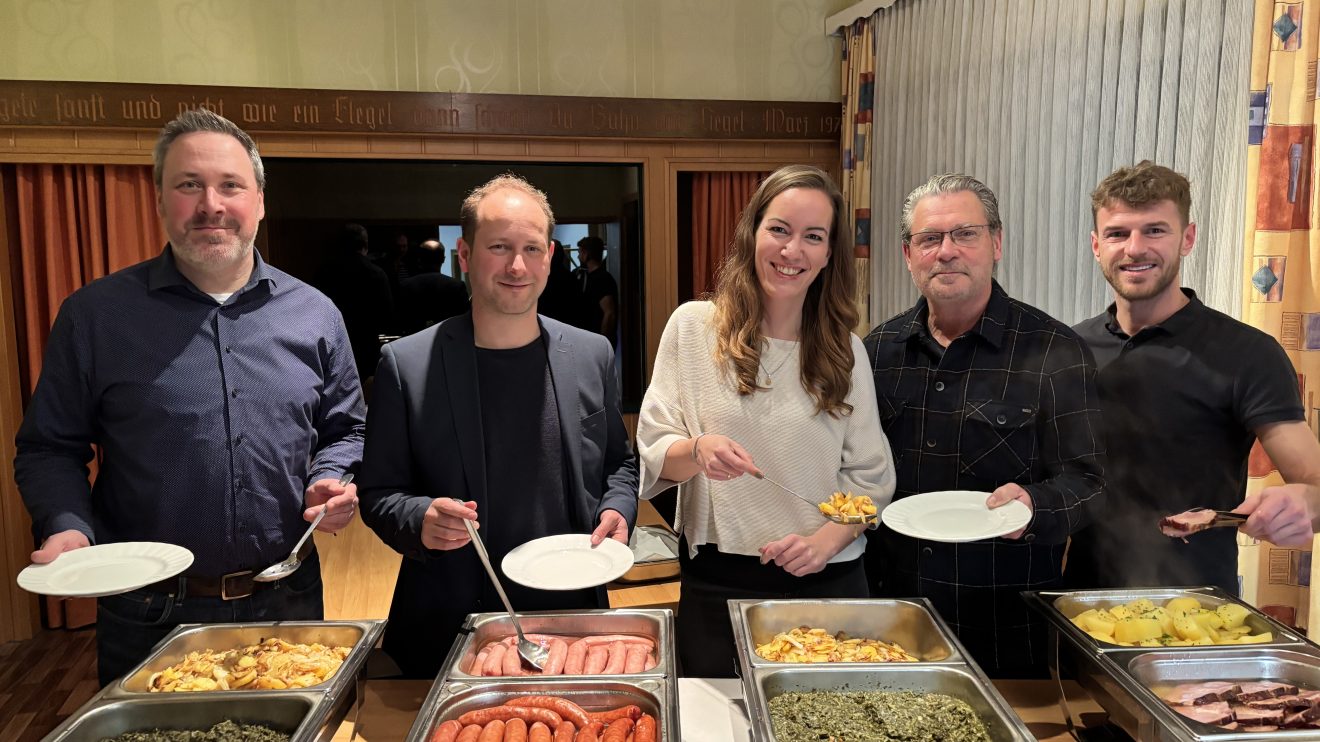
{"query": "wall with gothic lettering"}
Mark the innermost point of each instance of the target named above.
(702, 49)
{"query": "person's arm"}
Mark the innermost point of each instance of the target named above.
(619, 493)
(608, 316)
(341, 420)
(390, 507)
(1288, 514)
(54, 441)
(1071, 448)
(867, 464)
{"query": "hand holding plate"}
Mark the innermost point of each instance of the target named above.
(1006, 494)
(59, 543)
(612, 525)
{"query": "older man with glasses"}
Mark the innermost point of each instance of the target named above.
(978, 391)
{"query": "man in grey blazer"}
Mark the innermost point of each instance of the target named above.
(497, 416)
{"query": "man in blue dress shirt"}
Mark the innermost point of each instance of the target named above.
(223, 400)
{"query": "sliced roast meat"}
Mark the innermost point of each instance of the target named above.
(1217, 713)
(1293, 702)
(1185, 524)
(1303, 718)
(1246, 715)
(1309, 697)
(1265, 689)
(1196, 694)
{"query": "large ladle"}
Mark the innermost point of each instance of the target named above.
(531, 652)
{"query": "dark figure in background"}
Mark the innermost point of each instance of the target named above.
(361, 291)
(600, 292)
(560, 298)
(428, 296)
(394, 261)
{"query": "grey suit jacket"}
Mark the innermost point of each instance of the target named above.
(424, 440)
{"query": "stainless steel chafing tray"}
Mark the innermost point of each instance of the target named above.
(360, 635)
(482, 628)
(1158, 671)
(962, 682)
(656, 696)
(1106, 670)
(911, 623)
(294, 714)
(1060, 607)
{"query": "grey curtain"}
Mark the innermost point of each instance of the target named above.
(1041, 99)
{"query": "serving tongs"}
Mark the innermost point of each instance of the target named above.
(530, 652)
(850, 520)
(1173, 527)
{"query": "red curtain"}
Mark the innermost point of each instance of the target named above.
(717, 200)
(76, 223)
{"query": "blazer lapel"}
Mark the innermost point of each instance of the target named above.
(461, 384)
(563, 374)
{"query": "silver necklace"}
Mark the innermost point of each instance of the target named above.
(769, 375)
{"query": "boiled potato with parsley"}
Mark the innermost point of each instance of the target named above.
(1136, 629)
(1180, 622)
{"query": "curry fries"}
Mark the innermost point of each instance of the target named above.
(274, 664)
(805, 644)
(849, 506)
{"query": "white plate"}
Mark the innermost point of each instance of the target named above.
(566, 562)
(105, 569)
(954, 517)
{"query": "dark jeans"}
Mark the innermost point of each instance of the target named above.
(703, 626)
(128, 626)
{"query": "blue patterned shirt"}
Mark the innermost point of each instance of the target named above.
(211, 419)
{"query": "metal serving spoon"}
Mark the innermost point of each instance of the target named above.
(532, 653)
(288, 566)
(852, 520)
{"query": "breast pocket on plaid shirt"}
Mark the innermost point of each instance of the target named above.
(891, 422)
(998, 440)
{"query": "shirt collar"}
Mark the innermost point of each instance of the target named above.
(990, 327)
(164, 272)
(1176, 322)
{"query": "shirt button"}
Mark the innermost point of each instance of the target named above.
(927, 551)
(1029, 537)
(930, 444)
(234, 394)
(229, 349)
(238, 439)
(939, 386)
(1001, 419)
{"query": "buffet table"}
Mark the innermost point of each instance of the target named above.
(710, 710)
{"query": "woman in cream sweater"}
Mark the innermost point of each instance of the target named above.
(766, 377)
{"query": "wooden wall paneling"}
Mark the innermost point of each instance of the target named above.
(20, 615)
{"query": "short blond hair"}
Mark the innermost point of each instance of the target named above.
(467, 214)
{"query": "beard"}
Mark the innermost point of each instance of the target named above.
(214, 251)
(1168, 273)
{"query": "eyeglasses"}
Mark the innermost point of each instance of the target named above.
(966, 236)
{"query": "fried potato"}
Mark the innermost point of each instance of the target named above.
(849, 504)
(274, 664)
(806, 644)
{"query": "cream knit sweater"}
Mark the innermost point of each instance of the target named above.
(814, 454)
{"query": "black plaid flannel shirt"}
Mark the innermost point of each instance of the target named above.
(1012, 400)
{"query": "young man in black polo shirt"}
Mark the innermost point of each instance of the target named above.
(1185, 392)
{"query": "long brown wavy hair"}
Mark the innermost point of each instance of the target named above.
(829, 311)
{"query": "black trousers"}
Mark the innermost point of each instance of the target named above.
(711, 579)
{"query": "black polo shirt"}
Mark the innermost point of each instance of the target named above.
(1182, 401)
